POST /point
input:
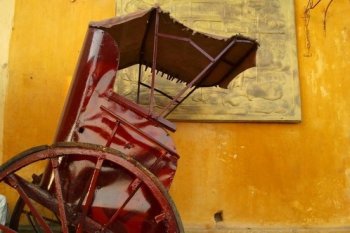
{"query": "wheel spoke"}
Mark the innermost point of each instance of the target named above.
(135, 185)
(154, 166)
(44, 198)
(59, 196)
(12, 180)
(6, 229)
(90, 193)
(33, 222)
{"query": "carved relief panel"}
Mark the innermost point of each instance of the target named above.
(269, 92)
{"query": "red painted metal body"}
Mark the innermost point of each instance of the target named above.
(95, 114)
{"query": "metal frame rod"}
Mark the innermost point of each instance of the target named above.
(167, 36)
(157, 90)
(199, 77)
(142, 53)
(6, 229)
(59, 195)
(12, 181)
(154, 62)
(180, 102)
(138, 85)
(140, 132)
(141, 112)
(90, 194)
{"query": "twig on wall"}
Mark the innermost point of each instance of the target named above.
(310, 5)
(307, 14)
(325, 16)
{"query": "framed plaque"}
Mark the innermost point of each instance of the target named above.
(268, 92)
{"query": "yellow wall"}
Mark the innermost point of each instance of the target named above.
(45, 45)
(279, 174)
(259, 175)
(6, 19)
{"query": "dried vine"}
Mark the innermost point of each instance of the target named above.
(325, 15)
(307, 14)
(310, 5)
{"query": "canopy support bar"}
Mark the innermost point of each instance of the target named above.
(154, 62)
(159, 91)
(199, 78)
(180, 102)
(189, 41)
(138, 85)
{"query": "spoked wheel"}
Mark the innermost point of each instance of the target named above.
(92, 189)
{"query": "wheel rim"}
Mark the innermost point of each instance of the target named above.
(161, 213)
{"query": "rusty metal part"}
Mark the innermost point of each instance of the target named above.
(141, 204)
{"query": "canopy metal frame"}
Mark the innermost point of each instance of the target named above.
(193, 85)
